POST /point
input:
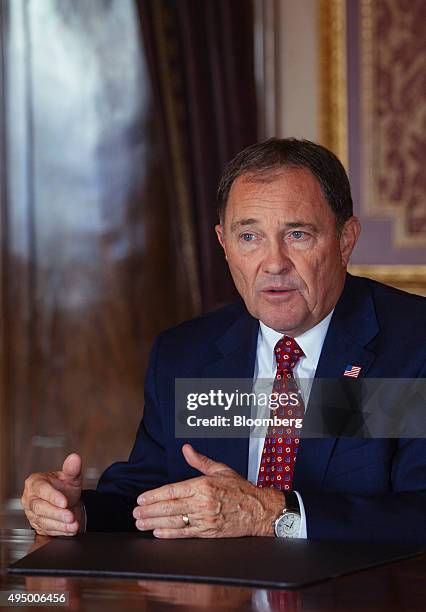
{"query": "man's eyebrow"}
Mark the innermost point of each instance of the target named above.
(293, 224)
(290, 224)
(243, 223)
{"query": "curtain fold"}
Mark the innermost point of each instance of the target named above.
(201, 62)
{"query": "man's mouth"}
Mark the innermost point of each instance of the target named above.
(278, 291)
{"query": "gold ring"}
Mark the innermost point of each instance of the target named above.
(185, 519)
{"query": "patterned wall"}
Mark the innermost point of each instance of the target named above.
(393, 52)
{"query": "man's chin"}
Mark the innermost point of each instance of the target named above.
(283, 324)
(281, 317)
(282, 327)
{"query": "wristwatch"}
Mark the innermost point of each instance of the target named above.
(287, 525)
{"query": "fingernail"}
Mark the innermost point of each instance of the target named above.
(61, 503)
(141, 500)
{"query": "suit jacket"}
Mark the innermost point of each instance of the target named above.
(352, 488)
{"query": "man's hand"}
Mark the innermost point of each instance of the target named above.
(51, 500)
(219, 504)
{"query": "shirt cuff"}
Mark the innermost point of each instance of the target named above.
(303, 532)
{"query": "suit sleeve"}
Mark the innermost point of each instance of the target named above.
(397, 516)
(110, 506)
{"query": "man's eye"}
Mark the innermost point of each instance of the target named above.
(297, 234)
(247, 237)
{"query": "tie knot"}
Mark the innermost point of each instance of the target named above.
(287, 353)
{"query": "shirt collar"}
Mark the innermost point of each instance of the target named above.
(310, 341)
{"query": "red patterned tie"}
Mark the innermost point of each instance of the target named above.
(281, 443)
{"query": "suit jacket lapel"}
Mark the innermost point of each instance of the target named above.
(236, 355)
(353, 326)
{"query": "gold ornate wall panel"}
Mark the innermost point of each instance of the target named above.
(333, 78)
(406, 278)
(384, 42)
(393, 60)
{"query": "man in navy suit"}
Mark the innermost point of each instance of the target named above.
(287, 229)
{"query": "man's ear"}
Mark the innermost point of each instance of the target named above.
(220, 236)
(348, 238)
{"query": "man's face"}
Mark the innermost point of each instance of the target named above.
(285, 255)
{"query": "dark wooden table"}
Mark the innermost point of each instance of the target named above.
(396, 586)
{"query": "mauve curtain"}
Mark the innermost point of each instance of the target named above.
(200, 54)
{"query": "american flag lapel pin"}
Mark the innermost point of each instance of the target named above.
(352, 371)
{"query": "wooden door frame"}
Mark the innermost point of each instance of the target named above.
(3, 423)
(5, 433)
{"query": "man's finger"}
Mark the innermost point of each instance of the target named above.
(160, 522)
(43, 489)
(200, 462)
(53, 533)
(164, 508)
(52, 527)
(177, 490)
(71, 468)
(44, 509)
(168, 534)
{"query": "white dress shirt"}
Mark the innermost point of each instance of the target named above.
(264, 372)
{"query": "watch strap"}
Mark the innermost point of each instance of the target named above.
(291, 502)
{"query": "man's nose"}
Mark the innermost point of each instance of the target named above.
(276, 260)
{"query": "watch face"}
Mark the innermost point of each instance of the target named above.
(288, 525)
